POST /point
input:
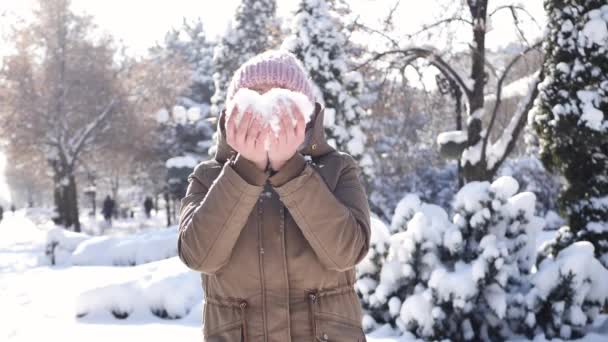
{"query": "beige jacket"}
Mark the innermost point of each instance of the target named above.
(277, 252)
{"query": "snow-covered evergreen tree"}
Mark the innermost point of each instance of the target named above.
(572, 117)
(455, 280)
(317, 41)
(569, 291)
(368, 273)
(248, 35)
(190, 43)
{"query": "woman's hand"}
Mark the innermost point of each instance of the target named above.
(247, 138)
(285, 144)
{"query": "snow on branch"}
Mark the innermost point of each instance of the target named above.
(499, 89)
(501, 148)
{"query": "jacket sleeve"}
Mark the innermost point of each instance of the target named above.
(336, 224)
(212, 214)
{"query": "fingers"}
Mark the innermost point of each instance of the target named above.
(231, 126)
(261, 138)
(286, 133)
(253, 131)
(244, 126)
(300, 123)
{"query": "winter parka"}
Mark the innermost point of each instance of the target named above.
(277, 252)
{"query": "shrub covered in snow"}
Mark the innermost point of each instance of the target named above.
(64, 247)
(60, 243)
(166, 289)
(368, 271)
(433, 184)
(533, 177)
(455, 280)
(130, 250)
(571, 118)
(568, 293)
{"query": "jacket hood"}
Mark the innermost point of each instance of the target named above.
(314, 145)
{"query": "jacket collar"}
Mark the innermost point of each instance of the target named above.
(315, 146)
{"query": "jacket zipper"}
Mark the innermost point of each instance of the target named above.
(261, 262)
(283, 244)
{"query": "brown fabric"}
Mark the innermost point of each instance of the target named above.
(249, 171)
(277, 256)
(289, 171)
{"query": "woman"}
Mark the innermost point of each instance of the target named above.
(276, 237)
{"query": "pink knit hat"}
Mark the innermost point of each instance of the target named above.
(272, 69)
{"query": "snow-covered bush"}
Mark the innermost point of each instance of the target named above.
(533, 177)
(65, 247)
(432, 184)
(455, 280)
(136, 249)
(368, 270)
(568, 293)
(166, 289)
(60, 243)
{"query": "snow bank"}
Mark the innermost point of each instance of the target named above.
(166, 289)
(130, 250)
(60, 243)
(65, 247)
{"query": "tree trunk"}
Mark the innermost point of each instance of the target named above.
(168, 208)
(477, 171)
(65, 196)
(71, 203)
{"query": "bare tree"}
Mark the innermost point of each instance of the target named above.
(63, 89)
(479, 157)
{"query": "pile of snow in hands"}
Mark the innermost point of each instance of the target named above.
(267, 106)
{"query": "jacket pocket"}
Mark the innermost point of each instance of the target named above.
(225, 320)
(331, 317)
(231, 333)
(330, 328)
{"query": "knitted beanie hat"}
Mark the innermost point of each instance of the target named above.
(272, 69)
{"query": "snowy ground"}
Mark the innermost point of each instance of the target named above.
(41, 301)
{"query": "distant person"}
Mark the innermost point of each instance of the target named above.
(13, 208)
(108, 209)
(1, 213)
(148, 206)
